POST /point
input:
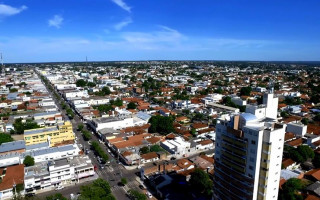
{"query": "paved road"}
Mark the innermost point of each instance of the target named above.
(112, 173)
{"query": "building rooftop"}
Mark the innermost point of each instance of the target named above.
(40, 130)
(12, 146)
(14, 175)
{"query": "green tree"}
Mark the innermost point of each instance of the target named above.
(80, 127)
(5, 138)
(290, 189)
(305, 121)
(201, 181)
(306, 152)
(193, 132)
(135, 195)
(106, 90)
(28, 161)
(131, 105)
(91, 84)
(56, 196)
(81, 83)
(86, 135)
(124, 181)
(144, 150)
(99, 189)
(20, 126)
(245, 91)
(99, 151)
(156, 148)
(13, 90)
(284, 114)
(161, 124)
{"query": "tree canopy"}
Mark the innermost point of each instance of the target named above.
(5, 138)
(20, 126)
(81, 83)
(131, 105)
(201, 181)
(290, 188)
(301, 153)
(161, 124)
(136, 195)
(99, 189)
(57, 196)
(28, 161)
(245, 91)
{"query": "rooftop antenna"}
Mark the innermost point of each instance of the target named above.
(87, 61)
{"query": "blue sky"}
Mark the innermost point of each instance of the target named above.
(70, 30)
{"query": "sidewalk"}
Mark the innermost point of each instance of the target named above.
(81, 182)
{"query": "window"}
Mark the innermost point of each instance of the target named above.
(251, 159)
(253, 142)
(251, 167)
(252, 151)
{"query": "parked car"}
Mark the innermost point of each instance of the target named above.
(30, 194)
(60, 187)
(149, 195)
(142, 187)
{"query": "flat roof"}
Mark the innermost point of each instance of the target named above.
(12, 146)
(40, 130)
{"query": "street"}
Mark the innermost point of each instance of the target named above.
(112, 173)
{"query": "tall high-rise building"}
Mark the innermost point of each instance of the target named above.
(248, 155)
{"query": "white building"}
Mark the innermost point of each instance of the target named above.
(248, 152)
(49, 174)
(212, 98)
(177, 146)
(298, 129)
(268, 109)
(238, 101)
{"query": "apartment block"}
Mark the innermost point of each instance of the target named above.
(54, 134)
(248, 157)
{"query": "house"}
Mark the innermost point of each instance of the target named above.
(314, 189)
(313, 175)
(183, 119)
(14, 175)
(149, 157)
(177, 146)
(288, 163)
(206, 144)
(200, 126)
(298, 129)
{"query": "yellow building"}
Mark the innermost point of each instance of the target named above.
(54, 134)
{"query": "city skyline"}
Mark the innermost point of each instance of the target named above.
(115, 30)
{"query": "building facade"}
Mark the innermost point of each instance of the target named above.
(248, 157)
(54, 135)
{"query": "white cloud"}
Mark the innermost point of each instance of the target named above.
(56, 21)
(6, 10)
(123, 24)
(164, 35)
(122, 4)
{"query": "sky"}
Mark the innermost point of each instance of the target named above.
(114, 30)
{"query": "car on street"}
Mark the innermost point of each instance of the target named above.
(89, 142)
(149, 195)
(30, 194)
(142, 187)
(60, 187)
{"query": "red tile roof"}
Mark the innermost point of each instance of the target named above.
(315, 173)
(14, 175)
